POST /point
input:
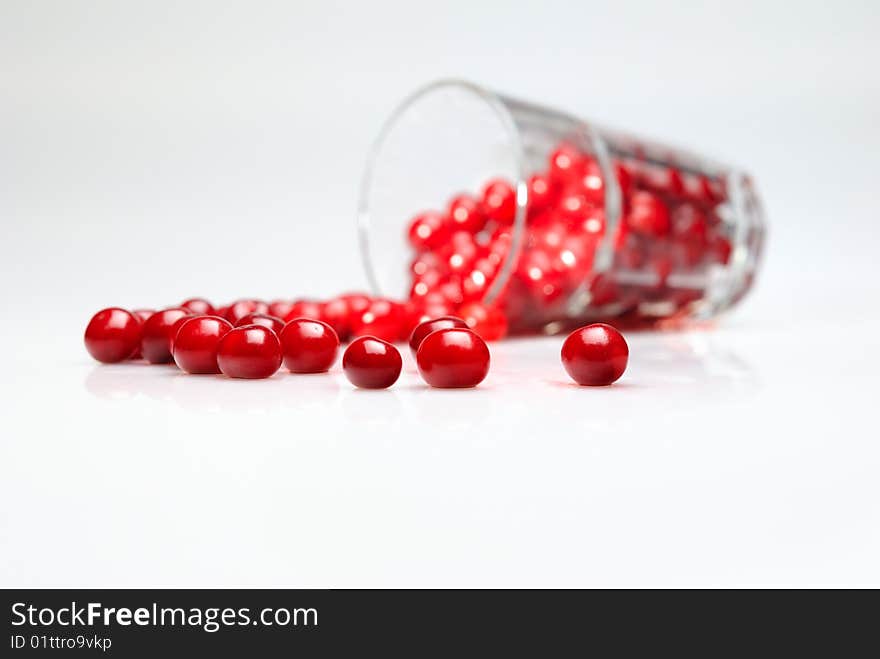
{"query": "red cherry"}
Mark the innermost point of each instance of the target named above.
(243, 307)
(488, 321)
(304, 309)
(112, 335)
(308, 346)
(413, 314)
(141, 315)
(453, 358)
(156, 338)
(196, 343)
(591, 185)
(541, 193)
(595, 355)
(175, 328)
(574, 206)
(428, 230)
(336, 314)
(460, 252)
(499, 201)
(648, 214)
(476, 283)
(426, 327)
(465, 214)
(382, 319)
(357, 303)
(433, 305)
(199, 306)
(250, 351)
(270, 322)
(371, 363)
(566, 164)
(280, 308)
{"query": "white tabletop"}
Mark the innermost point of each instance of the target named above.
(746, 455)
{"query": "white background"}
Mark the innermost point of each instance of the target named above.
(155, 151)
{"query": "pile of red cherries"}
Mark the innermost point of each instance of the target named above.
(669, 224)
(244, 340)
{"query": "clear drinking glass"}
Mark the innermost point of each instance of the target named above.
(632, 231)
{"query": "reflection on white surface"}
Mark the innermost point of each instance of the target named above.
(520, 369)
(715, 460)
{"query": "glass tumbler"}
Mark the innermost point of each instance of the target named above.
(475, 200)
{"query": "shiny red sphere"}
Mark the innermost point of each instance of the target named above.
(566, 164)
(383, 319)
(595, 355)
(487, 320)
(371, 363)
(499, 201)
(453, 358)
(541, 193)
(335, 313)
(113, 335)
(428, 230)
(270, 322)
(199, 306)
(141, 315)
(280, 308)
(250, 351)
(465, 214)
(308, 346)
(236, 310)
(175, 328)
(305, 309)
(156, 339)
(432, 325)
(648, 214)
(196, 343)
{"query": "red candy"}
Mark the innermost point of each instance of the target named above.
(371, 363)
(197, 341)
(113, 335)
(156, 338)
(453, 358)
(595, 355)
(267, 321)
(308, 346)
(250, 351)
(426, 327)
